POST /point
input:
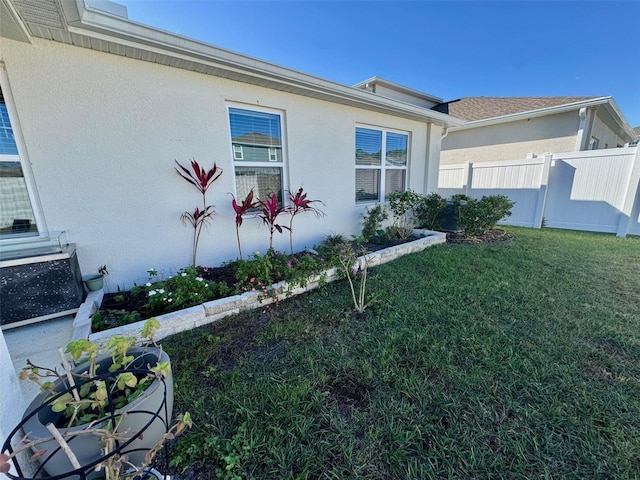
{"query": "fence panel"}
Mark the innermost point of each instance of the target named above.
(590, 190)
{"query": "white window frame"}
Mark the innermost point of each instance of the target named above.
(383, 167)
(283, 164)
(237, 152)
(41, 225)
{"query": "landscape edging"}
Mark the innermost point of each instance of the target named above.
(209, 312)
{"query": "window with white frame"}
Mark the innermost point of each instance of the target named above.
(16, 211)
(381, 163)
(256, 137)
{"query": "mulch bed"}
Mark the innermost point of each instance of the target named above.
(496, 235)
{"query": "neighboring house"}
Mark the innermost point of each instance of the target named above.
(509, 128)
(95, 108)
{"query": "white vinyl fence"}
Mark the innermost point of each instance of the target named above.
(592, 190)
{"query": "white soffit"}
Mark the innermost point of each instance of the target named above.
(11, 25)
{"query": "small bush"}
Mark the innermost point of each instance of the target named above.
(429, 211)
(477, 217)
(402, 205)
(185, 289)
(372, 222)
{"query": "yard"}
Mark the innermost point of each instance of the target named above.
(516, 360)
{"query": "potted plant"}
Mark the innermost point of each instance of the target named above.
(95, 281)
(106, 417)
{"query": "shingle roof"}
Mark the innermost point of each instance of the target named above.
(480, 108)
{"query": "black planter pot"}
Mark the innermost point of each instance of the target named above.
(146, 420)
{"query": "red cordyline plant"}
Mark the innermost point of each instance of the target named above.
(269, 211)
(201, 179)
(246, 205)
(299, 204)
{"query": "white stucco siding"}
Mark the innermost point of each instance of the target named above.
(512, 140)
(102, 132)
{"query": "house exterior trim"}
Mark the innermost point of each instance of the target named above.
(89, 27)
(606, 102)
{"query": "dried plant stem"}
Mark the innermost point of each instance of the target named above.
(64, 445)
(67, 369)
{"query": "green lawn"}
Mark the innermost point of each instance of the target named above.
(519, 360)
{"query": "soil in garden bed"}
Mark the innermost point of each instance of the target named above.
(495, 235)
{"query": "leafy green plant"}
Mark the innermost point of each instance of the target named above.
(372, 222)
(201, 179)
(402, 205)
(477, 217)
(429, 211)
(185, 289)
(112, 319)
(90, 401)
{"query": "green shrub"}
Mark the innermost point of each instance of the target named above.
(477, 217)
(402, 205)
(185, 289)
(429, 211)
(372, 222)
(275, 266)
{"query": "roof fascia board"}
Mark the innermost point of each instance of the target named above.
(397, 86)
(100, 25)
(534, 113)
(620, 119)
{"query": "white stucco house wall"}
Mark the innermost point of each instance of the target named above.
(509, 128)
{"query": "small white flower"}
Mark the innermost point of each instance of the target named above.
(170, 300)
(152, 292)
(183, 274)
(148, 284)
(257, 252)
(161, 291)
(206, 285)
(199, 279)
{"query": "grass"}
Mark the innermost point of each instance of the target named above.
(518, 360)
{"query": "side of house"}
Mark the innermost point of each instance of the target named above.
(100, 107)
(508, 128)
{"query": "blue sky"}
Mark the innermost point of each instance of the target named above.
(448, 49)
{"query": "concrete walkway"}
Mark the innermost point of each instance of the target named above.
(38, 342)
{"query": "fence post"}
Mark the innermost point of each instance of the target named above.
(468, 178)
(631, 207)
(542, 192)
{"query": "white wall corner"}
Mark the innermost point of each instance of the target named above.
(12, 402)
(432, 162)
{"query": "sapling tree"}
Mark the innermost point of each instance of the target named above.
(201, 179)
(300, 203)
(247, 204)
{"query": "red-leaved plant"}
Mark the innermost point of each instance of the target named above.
(201, 179)
(246, 205)
(299, 204)
(269, 211)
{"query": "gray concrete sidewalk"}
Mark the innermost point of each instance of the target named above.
(38, 342)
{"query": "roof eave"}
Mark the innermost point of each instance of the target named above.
(607, 102)
(397, 86)
(86, 21)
